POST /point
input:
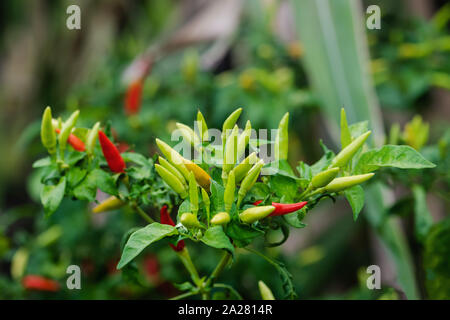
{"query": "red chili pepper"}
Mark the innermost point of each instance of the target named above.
(35, 282)
(284, 208)
(151, 268)
(133, 98)
(166, 219)
(111, 153)
(74, 141)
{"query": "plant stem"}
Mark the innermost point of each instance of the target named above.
(219, 268)
(184, 295)
(142, 213)
(187, 262)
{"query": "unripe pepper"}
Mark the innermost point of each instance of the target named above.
(346, 137)
(172, 181)
(281, 139)
(189, 134)
(39, 283)
(173, 157)
(230, 153)
(91, 139)
(251, 215)
(284, 208)
(343, 157)
(206, 202)
(343, 183)
(203, 127)
(74, 141)
(228, 196)
(133, 98)
(193, 194)
(220, 219)
(249, 181)
(323, 178)
(112, 203)
(111, 154)
(48, 136)
(244, 139)
(66, 129)
(228, 124)
(163, 162)
(166, 219)
(189, 220)
(241, 169)
(264, 290)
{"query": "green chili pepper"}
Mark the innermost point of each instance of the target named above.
(189, 220)
(172, 181)
(343, 183)
(189, 134)
(48, 136)
(230, 155)
(249, 181)
(193, 193)
(346, 137)
(174, 157)
(206, 202)
(228, 196)
(67, 129)
(229, 124)
(91, 139)
(244, 139)
(323, 178)
(264, 290)
(220, 219)
(241, 169)
(203, 127)
(343, 157)
(281, 139)
(166, 164)
(253, 214)
(111, 203)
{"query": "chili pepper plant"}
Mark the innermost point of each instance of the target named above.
(220, 189)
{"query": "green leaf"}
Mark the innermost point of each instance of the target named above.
(216, 238)
(217, 192)
(75, 175)
(422, 216)
(294, 219)
(241, 234)
(403, 157)
(51, 196)
(44, 162)
(142, 238)
(136, 158)
(355, 196)
(97, 178)
(284, 186)
(104, 181)
(358, 128)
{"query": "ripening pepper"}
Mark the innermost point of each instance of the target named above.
(91, 139)
(111, 154)
(74, 141)
(244, 139)
(48, 136)
(39, 283)
(251, 215)
(264, 290)
(66, 130)
(230, 152)
(323, 178)
(281, 139)
(203, 128)
(189, 220)
(242, 168)
(133, 97)
(193, 193)
(343, 183)
(284, 208)
(220, 219)
(188, 134)
(166, 164)
(249, 181)
(228, 196)
(173, 157)
(172, 181)
(202, 177)
(166, 219)
(111, 203)
(343, 157)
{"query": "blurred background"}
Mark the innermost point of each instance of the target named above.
(307, 57)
